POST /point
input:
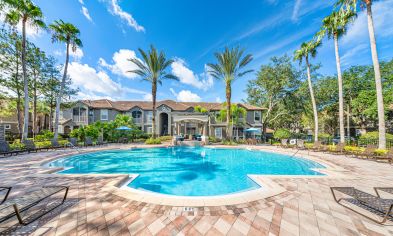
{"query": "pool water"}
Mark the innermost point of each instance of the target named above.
(185, 171)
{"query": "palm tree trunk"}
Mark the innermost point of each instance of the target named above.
(314, 104)
(340, 91)
(154, 94)
(228, 97)
(25, 84)
(35, 105)
(378, 82)
(58, 102)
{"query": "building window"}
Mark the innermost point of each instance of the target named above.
(104, 114)
(257, 116)
(218, 133)
(149, 130)
(149, 116)
(7, 126)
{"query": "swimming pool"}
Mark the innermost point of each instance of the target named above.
(184, 171)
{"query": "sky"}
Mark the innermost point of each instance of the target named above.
(190, 32)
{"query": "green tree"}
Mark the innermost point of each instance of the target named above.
(229, 67)
(351, 6)
(153, 70)
(200, 109)
(335, 26)
(30, 15)
(306, 50)
(69, 34)
(273, 89)
(238, 115)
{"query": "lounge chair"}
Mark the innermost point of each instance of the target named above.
(5, 149)
(73, 142)
(5, 191)
(30, 146)
(88, 141)
(16, 205)
(369, 152)
(383, 189)
(300, 144)
(318, 147)
(100, 141)
(339, 149)
(388, 156)
(284, 143)
(356, 196)
(55, 144)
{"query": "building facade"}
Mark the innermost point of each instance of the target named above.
(172, 118)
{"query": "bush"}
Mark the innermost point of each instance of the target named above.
(17, 145)
(374, 135)
(43, 144)
(353, 149)
(324, 136)
(165, 138)
(39, 138)
(230, 143)
(282, 134)
(153, 141)
(63, 142)
(213, 139)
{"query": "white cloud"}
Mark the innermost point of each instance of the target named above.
(77, 55)
(97, 84)
(121, 64)
(81, 2)
(148, 97)
(358, 31)
(185, 96)
(187, 76)
(116, 10)
(358, 49)
(57, 53)
(296, 8)
(86, 13)
(218, 99)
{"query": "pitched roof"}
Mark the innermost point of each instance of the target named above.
(145, 105)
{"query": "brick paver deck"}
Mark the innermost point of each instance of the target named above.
(305, 208)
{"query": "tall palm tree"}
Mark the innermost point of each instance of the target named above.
(351, 5)
(229, 67)
(335, 26)
(29, 15)
(153, 70)
(306, 50)
(69, 34)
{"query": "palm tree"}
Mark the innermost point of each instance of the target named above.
(153, 70)
(69, 34)
(306, 50)
(351, 5)
(229, 67)
(30, 15)
(335, 26)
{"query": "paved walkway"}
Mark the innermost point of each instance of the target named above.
(93, 208)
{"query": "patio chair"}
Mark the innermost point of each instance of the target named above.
(30, 146)
(383, 189)
(100, 141)
(73, 142)
(5, 149)
(340, 149)
(369, 152)
(284, 143)
(88, 141)
(388, 156)
(300, 144)
(318, 147)
(55, 144)
(355, 196)
(19, 204)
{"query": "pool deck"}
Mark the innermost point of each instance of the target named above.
(290, 205)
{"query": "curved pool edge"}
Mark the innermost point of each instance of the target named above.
(269, 187)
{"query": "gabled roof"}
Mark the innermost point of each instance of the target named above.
(145, 105)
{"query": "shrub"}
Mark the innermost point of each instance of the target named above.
(39, 138)
(353, 149)
(324, 136)
(282, 134)
(165, 138)
(63, 142)
(213, 139)
(230, 143)
(47, 134)
(43, 144)
(153, 141)
(374, 135)
(17, 145)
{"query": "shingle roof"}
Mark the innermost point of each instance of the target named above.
(145, 105)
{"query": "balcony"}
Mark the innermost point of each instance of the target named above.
(80, 119)
(137, 120)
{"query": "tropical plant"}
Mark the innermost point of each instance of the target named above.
(29, 15)
(335, 26)
(282, 134)
(351, 6)
(229, 67)
(200, 109)
(238, 116)
(153, 70)
(306, 50)
(69, 34)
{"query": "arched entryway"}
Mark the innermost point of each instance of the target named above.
(164, 124)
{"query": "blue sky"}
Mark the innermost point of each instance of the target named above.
(190, 32)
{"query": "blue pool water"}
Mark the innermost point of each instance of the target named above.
(188, 171)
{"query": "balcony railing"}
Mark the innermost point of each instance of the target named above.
(79, 119)
(137, 120)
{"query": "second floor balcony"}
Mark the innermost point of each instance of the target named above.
(80, 119)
